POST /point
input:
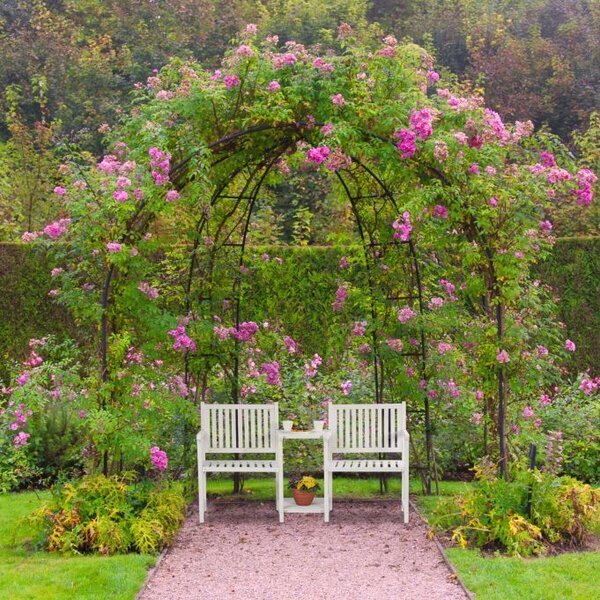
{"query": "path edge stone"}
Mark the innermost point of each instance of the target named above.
(440, 548)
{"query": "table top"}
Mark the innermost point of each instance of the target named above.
(313, 434)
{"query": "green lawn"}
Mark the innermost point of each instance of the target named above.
(568, 576)
(26, 574)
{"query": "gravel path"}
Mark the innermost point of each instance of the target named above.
(364, 553)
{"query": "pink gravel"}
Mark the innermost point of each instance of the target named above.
(242, 551)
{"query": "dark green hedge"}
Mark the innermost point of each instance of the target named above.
(573, 271)
(26, 311)
(307, 276)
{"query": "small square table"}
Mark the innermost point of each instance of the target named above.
(319, 505)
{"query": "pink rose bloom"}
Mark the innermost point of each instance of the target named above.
(60, 191)
(317, 155)
(432, 77)
(338, 99)
(23, 378)
(121, 196)
(271, 372)
(341, 295)
(444, 347)
(528, 412)
(406, 142)
(172, 196)
(274, 86)
(123, 182)
(359, 328)
(20, 439)
(251, 28)
(461, 137)
(344, 263)
(493, 202)
(548, 159)
(440, 212)
(148, 290)
(545, 225)
(479, 395)
(502, 356)
(476, 418)
(402, 227)
(396, 345)
(421, 122)
(346, 387)
(244, 50)
(114, 247)
(570, 346)
(327, 129)
(436, 302)
(231, 81)
(159, 458)
(57, 229)
(290, 344)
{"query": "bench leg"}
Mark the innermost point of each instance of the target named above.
(201, 495)
(405, 491)
(326, 494)
(278, 483)
(280, 494)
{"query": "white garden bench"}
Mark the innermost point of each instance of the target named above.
(360, 429)
(238, 429)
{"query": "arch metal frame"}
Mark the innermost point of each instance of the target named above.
(254, 170)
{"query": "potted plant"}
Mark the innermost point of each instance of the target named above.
(303, 489)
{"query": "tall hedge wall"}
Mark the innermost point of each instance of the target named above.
(26, 311)
(306, 275)
(573, 271)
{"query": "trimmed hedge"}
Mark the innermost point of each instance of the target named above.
(307, 275)
(26, 311)
(573, 272)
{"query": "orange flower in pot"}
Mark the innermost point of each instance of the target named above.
(303, 489)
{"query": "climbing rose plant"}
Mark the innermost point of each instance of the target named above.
(471, 195)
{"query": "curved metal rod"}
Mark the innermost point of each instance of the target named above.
(376, 360)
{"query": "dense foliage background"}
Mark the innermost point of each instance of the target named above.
(69, 66)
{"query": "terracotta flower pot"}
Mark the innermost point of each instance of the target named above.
(303, 497)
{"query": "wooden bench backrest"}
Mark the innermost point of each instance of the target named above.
(240, 427)
(367, 427)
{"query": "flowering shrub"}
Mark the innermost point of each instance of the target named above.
(41, 417)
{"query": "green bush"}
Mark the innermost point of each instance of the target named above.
(494, 513)
(111, 515)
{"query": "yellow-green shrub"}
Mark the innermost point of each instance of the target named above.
(111, 515)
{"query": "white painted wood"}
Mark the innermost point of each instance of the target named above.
(367, 429)
(317, 506)
(286, 503)
(238, 429)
